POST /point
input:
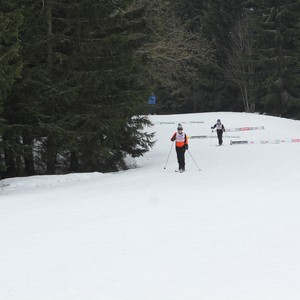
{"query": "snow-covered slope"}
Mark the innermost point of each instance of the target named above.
(229, 231)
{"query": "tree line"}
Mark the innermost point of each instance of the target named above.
(75, 74)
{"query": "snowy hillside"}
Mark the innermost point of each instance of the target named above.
(227, 232)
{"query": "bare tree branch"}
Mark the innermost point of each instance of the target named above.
(171, 50)
(239, 68)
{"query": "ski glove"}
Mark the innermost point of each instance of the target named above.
(186, 147)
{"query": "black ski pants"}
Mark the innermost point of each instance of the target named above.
(180, 157)
(220, 136)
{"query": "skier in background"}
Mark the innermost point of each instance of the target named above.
(220, 129)
(181, 143)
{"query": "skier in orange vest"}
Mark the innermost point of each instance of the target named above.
(181, 143)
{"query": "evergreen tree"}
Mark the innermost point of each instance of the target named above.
(10, 20)
(277, 54)
(10, 68)
(217, 20)
(77, 105)
(189, 12)
(30, 109)
(105, 116)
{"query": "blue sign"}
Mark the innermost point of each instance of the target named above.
(152, 100)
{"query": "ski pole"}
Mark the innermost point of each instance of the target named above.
(193, 160)
(210, 137)
(226, 135)
(169, 155)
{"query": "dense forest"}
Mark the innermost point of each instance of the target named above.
(75, 75)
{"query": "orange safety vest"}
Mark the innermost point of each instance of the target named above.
(180, 138)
